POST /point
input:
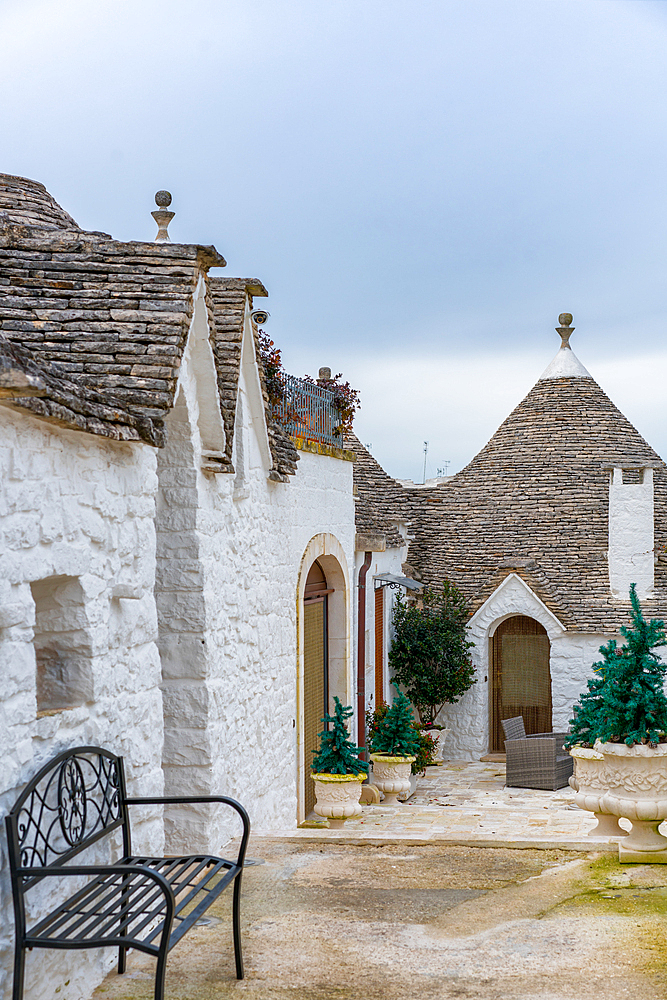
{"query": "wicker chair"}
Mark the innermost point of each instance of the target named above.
(535, 761)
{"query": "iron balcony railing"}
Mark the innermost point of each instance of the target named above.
(309, 411)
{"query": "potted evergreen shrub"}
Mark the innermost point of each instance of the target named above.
(426, 752)
(337, 770)
(622, 716)
(429, 654)
(394, 747)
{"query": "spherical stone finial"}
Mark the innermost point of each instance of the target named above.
(324, 374)
(163, 199)
(565, 330)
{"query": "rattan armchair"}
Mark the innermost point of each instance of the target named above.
(537, 760)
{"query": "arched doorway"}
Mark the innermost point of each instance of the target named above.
(315, 666)
(521, 679)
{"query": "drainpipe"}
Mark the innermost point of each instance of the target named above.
(361, 653)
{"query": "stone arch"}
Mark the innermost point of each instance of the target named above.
(327, 550)
(512, 597)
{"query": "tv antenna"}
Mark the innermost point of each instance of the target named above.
(445, 469)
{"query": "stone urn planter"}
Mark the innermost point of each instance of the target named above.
(440, 736)
(338, 797)
(589, 783)
(391, 775)
(636, 787)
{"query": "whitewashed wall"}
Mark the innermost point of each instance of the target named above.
(73, 505)
(228, 610)
(631, 551)
(389, 561)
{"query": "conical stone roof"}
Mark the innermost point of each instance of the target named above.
(535, 501)
(27, 203)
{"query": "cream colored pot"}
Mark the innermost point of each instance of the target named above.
(391, 775)
(338, 797)
(440, 737)
(590, 785)
(636, 787)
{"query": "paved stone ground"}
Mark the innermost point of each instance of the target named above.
(463, 802)
(432, 922)
(394, 908)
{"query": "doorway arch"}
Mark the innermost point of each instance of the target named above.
(521, 677)
(324, 659)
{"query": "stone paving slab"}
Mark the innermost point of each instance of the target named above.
(467, 803)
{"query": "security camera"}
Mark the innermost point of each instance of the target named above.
(259, 317)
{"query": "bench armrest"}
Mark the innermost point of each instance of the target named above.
(197, 799)
(150, 873)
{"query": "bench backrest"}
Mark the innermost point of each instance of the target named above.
(77, 798)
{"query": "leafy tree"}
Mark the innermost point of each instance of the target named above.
(625, 701)
(337, 754)
(395, 734)
(429, 652)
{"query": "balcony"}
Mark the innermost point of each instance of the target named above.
(307, 411)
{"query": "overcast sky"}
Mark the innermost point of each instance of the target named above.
(422, 186)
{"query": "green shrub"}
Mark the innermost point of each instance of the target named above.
(429, 652)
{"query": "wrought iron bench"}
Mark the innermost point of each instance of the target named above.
(138, 902)
(537, 760)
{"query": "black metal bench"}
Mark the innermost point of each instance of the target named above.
(138, 902)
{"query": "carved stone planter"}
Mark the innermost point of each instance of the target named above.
(440, 735)
(391, 775)
(636, 787)
(338, 797)
(590, 785)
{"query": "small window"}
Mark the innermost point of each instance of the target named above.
(62, 644)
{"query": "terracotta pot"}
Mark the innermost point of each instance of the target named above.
(338, 796)
(391, 775)
(590, 785)
(636, 787)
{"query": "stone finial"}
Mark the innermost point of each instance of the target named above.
(324, 374)
(565, 329)
(162, 216)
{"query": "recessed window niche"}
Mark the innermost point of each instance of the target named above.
(62, 644)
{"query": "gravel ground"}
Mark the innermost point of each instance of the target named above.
(393, 922)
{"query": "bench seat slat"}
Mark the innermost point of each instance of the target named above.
(111, 904)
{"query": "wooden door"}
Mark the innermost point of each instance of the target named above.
(315, 671)
(521, 677)
(379, 646)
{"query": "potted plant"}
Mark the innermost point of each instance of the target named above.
(394, 746)
(337, 770)
(623, 717)
(429, 654)
(427, 746)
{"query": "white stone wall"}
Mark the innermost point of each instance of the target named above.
(230, 558)
(389, 561)
(81, 508)
(572, 657)
(631, 542)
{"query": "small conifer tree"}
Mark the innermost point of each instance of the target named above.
(396, 735)
(625, 702)
(337, 754)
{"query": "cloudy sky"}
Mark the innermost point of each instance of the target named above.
(422, 186)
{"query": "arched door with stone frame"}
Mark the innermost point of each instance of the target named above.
(521, 678)
(315, 666)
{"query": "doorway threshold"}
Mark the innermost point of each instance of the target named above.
(493, 758)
